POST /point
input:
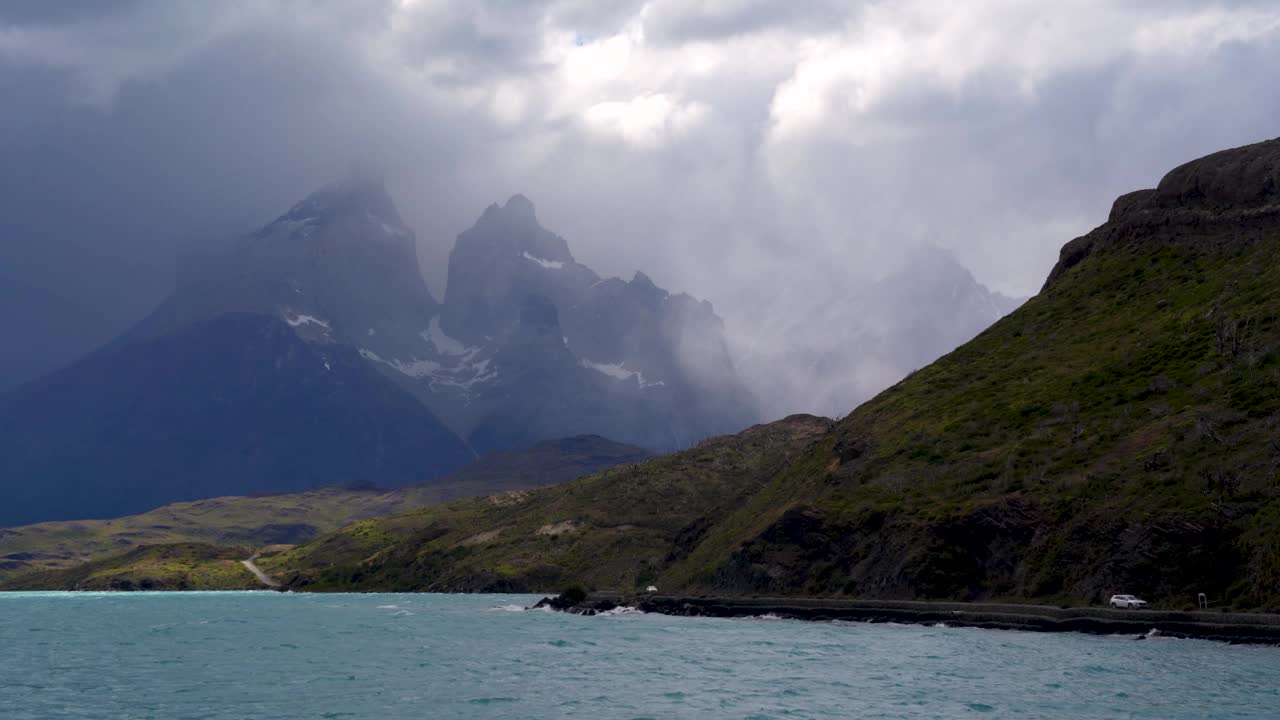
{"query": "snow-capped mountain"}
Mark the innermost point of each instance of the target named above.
(311, 352)
(546, 338)
(528, 345)
(318, 329)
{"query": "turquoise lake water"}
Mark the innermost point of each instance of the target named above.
(270, 655)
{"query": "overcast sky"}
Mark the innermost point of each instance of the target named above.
(731, 148)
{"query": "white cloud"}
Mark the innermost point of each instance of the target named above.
(645, 121)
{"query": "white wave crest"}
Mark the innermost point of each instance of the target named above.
(620, 610)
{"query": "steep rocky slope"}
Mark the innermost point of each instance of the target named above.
(560, 351)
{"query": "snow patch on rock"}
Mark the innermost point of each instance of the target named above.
(461, 377)
(548, 264)
(300, 320)
(618, 371)
(444, 344)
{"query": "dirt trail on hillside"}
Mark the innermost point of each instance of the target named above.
(263, 578)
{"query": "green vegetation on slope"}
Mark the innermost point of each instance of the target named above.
(1117, 433)
(248, 521)
(181, 566)
(618, 529)
(297, 517)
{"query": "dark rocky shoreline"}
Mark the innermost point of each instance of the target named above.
(1238, 628)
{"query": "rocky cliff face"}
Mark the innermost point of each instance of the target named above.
(339, 267)
(528, 345)
(1229, 198)
(531, 344)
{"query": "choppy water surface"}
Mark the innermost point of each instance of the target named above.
(267, 655)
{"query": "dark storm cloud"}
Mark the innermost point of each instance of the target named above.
(767, 156)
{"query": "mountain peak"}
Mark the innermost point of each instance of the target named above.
(517, 213)
(640, 280)
(1243, 177)
(513, 231)
(356, 194)
(518, 203)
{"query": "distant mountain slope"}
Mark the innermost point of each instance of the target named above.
(1120, 432)
(297, 517)
(546, 463)
(237, 404)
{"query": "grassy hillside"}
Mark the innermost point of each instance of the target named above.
(247, 521)
(297, 517)
(620, 528)
(181, 566)
(1118, 433)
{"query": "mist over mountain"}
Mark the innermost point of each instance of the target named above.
(839, 354)
(319, 328)
(558, 350)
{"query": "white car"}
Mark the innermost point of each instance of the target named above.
(1127, 602)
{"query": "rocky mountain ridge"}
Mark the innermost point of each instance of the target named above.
(526, 348)
(1229, 197)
